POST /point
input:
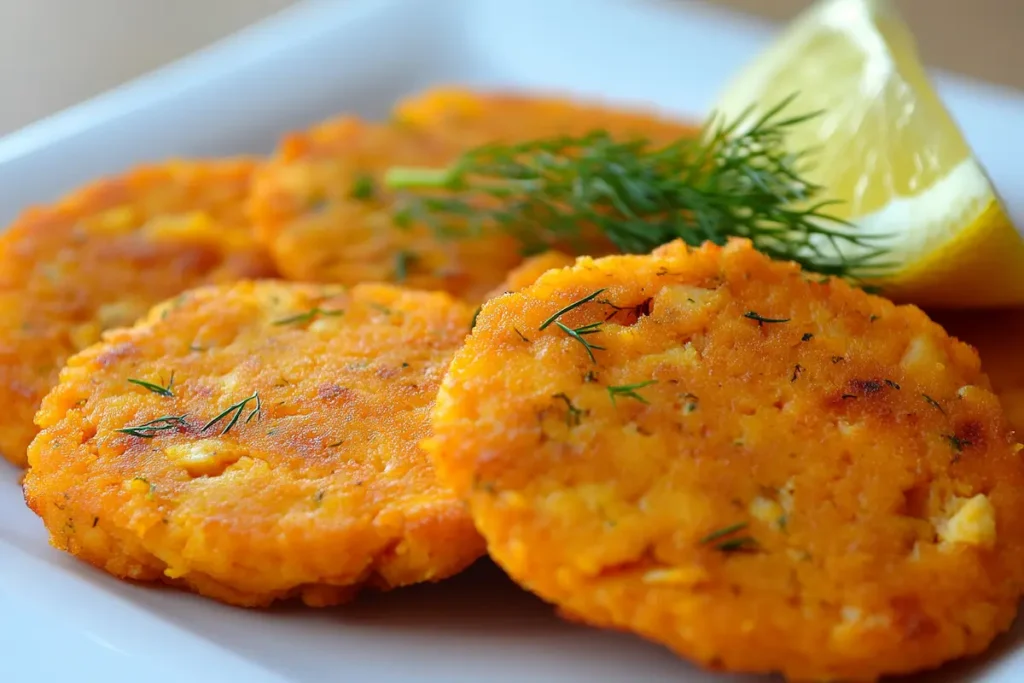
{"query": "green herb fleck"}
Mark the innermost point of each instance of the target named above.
(578, 335)
(807, 337)
(575, 304)
(761, 320)
(476, 314)
(236, 412)
(307, 316)
(723, 532)
(734, 545)
(892, 384)
(403, 259)
(933, 403)
(691, 403)
(521, 335)
(956, 443)
(149, 430)
(573, 415)
(363, 187)
(156, 388)
(629, 391)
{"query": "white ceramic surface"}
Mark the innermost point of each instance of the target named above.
(63, 621)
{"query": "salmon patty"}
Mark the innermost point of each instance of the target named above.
(100, 258)
(322, 209)
(762, 469)
(258, 442)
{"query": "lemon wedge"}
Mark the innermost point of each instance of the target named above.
(885, 145)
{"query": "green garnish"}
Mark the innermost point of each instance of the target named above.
(956, 443)
(521, 335)
(573, 415)
(155, 388)
(735, 180)
(737, 544)
(149, 430)
(363, 187)
(723, 532)
(403, 259)
(761, 320)
(574, 304)
(807, 337)
(237, 409)
(629, 391)
(476, 314)
(307, 316)
(933, 403)
(578, 334)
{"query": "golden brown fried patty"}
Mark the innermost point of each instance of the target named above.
(274, 452)
(321, 208)
(763, 471)
(998, 335)
(100, 258)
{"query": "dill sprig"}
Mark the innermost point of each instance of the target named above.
(575, 304)
(573, 415)
(733, 545)
(236, 412)
(307, 316)
(933, 403)
(761, 320)
(629, 391)
(167, 391)
(578, 334)
(718, 534)
(151, 429)
(734, 180)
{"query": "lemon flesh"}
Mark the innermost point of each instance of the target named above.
(885, 146)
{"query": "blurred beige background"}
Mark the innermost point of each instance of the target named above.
(54, 53)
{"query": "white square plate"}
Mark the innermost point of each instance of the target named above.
(62, 620)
